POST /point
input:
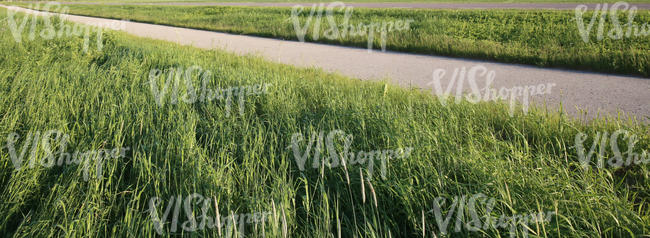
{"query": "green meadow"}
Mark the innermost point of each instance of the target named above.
(546, 38)
(242, 156)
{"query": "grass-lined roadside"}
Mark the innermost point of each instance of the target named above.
(102, 99)
(535, 37)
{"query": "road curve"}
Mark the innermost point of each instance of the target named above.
(573, 90)
(550, 6)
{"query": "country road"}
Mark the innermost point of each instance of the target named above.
(574, 90)
(553, 6)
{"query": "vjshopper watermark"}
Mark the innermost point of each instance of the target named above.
(229, 223)
(618, 30)
(345, 157)
(467, 215)
(600, 141)
(180, 81)
(61, 157)
(344, 30)
(479, 73)
(61, 30)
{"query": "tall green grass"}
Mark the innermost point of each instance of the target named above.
(544, 38)
(102, 99)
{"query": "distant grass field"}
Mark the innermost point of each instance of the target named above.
(103, 99)
(535, 37)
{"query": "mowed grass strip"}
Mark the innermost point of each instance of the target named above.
(544, 38)
(103, 99)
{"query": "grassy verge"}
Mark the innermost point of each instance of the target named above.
(535, 37)
(103, 99)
